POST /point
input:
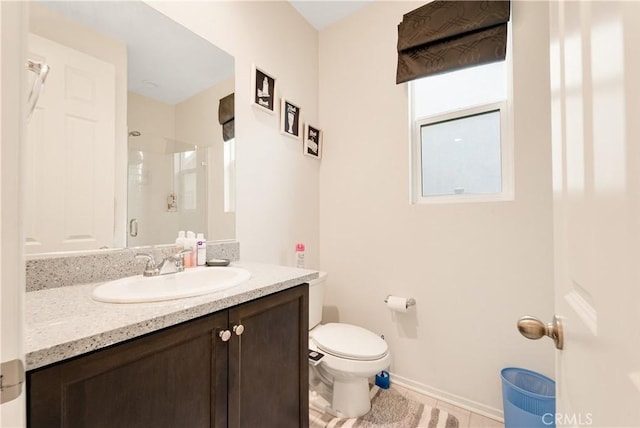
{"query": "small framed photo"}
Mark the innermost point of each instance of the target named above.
(312, 141)
(264, 90)
(290, 119)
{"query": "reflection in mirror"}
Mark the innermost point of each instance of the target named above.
(164, 172)
(125, 147)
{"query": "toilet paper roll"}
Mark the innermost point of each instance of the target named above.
(397, 304)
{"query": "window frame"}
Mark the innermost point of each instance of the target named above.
(506, 156)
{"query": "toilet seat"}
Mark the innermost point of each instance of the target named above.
(349, 341)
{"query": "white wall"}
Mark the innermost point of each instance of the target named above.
(277, 192)
(474, 269)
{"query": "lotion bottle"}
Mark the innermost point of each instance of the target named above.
(201, 245)
(190, 260)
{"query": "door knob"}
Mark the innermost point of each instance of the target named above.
(225, 335)
(238, 329)
(532, 328)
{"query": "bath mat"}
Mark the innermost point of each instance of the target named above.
(389, 409)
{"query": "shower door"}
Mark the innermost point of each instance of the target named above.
(167, 190)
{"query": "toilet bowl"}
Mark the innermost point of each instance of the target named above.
(339, 382)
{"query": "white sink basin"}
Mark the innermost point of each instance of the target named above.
(191, 282)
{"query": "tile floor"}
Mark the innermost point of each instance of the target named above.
(467, 419)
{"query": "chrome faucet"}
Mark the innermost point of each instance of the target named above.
(172, 264)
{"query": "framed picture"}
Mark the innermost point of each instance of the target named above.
(264, 90)
(290, 119)
(312, 141)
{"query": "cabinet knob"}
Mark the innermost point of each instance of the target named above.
(238, 329)
(225, 335)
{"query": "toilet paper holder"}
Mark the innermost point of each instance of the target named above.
(410, 301)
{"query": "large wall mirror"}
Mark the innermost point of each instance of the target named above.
(125, 147)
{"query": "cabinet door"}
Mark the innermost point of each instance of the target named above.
(173, 378)
(268, 362)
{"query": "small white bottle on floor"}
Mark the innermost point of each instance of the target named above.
(300, 255)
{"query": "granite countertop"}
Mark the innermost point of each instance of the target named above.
(65, 322)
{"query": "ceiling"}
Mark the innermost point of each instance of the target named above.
(322, 13)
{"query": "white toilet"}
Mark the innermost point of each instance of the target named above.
(339, 383)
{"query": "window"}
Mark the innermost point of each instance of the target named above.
(461, 150)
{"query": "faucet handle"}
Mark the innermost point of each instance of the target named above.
(183, 252)
(152, 268)
(150, 259)
(178, 259)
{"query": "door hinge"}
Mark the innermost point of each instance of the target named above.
(11, 380)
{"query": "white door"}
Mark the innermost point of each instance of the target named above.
(70, 153)
(12, 76)
(595, 79)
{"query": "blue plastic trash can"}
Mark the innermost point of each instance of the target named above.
(529, 399)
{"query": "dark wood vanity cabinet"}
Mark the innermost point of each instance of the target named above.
(187, 376)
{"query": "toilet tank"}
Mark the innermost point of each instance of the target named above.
(316, 297)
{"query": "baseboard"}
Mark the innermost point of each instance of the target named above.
(456, 400)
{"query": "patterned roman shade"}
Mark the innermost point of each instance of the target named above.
(226, 116)
(447, 35)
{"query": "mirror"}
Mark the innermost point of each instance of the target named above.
(125, 147)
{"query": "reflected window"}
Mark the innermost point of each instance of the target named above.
(229, 155)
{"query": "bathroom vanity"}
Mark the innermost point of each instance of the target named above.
(230, 359)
